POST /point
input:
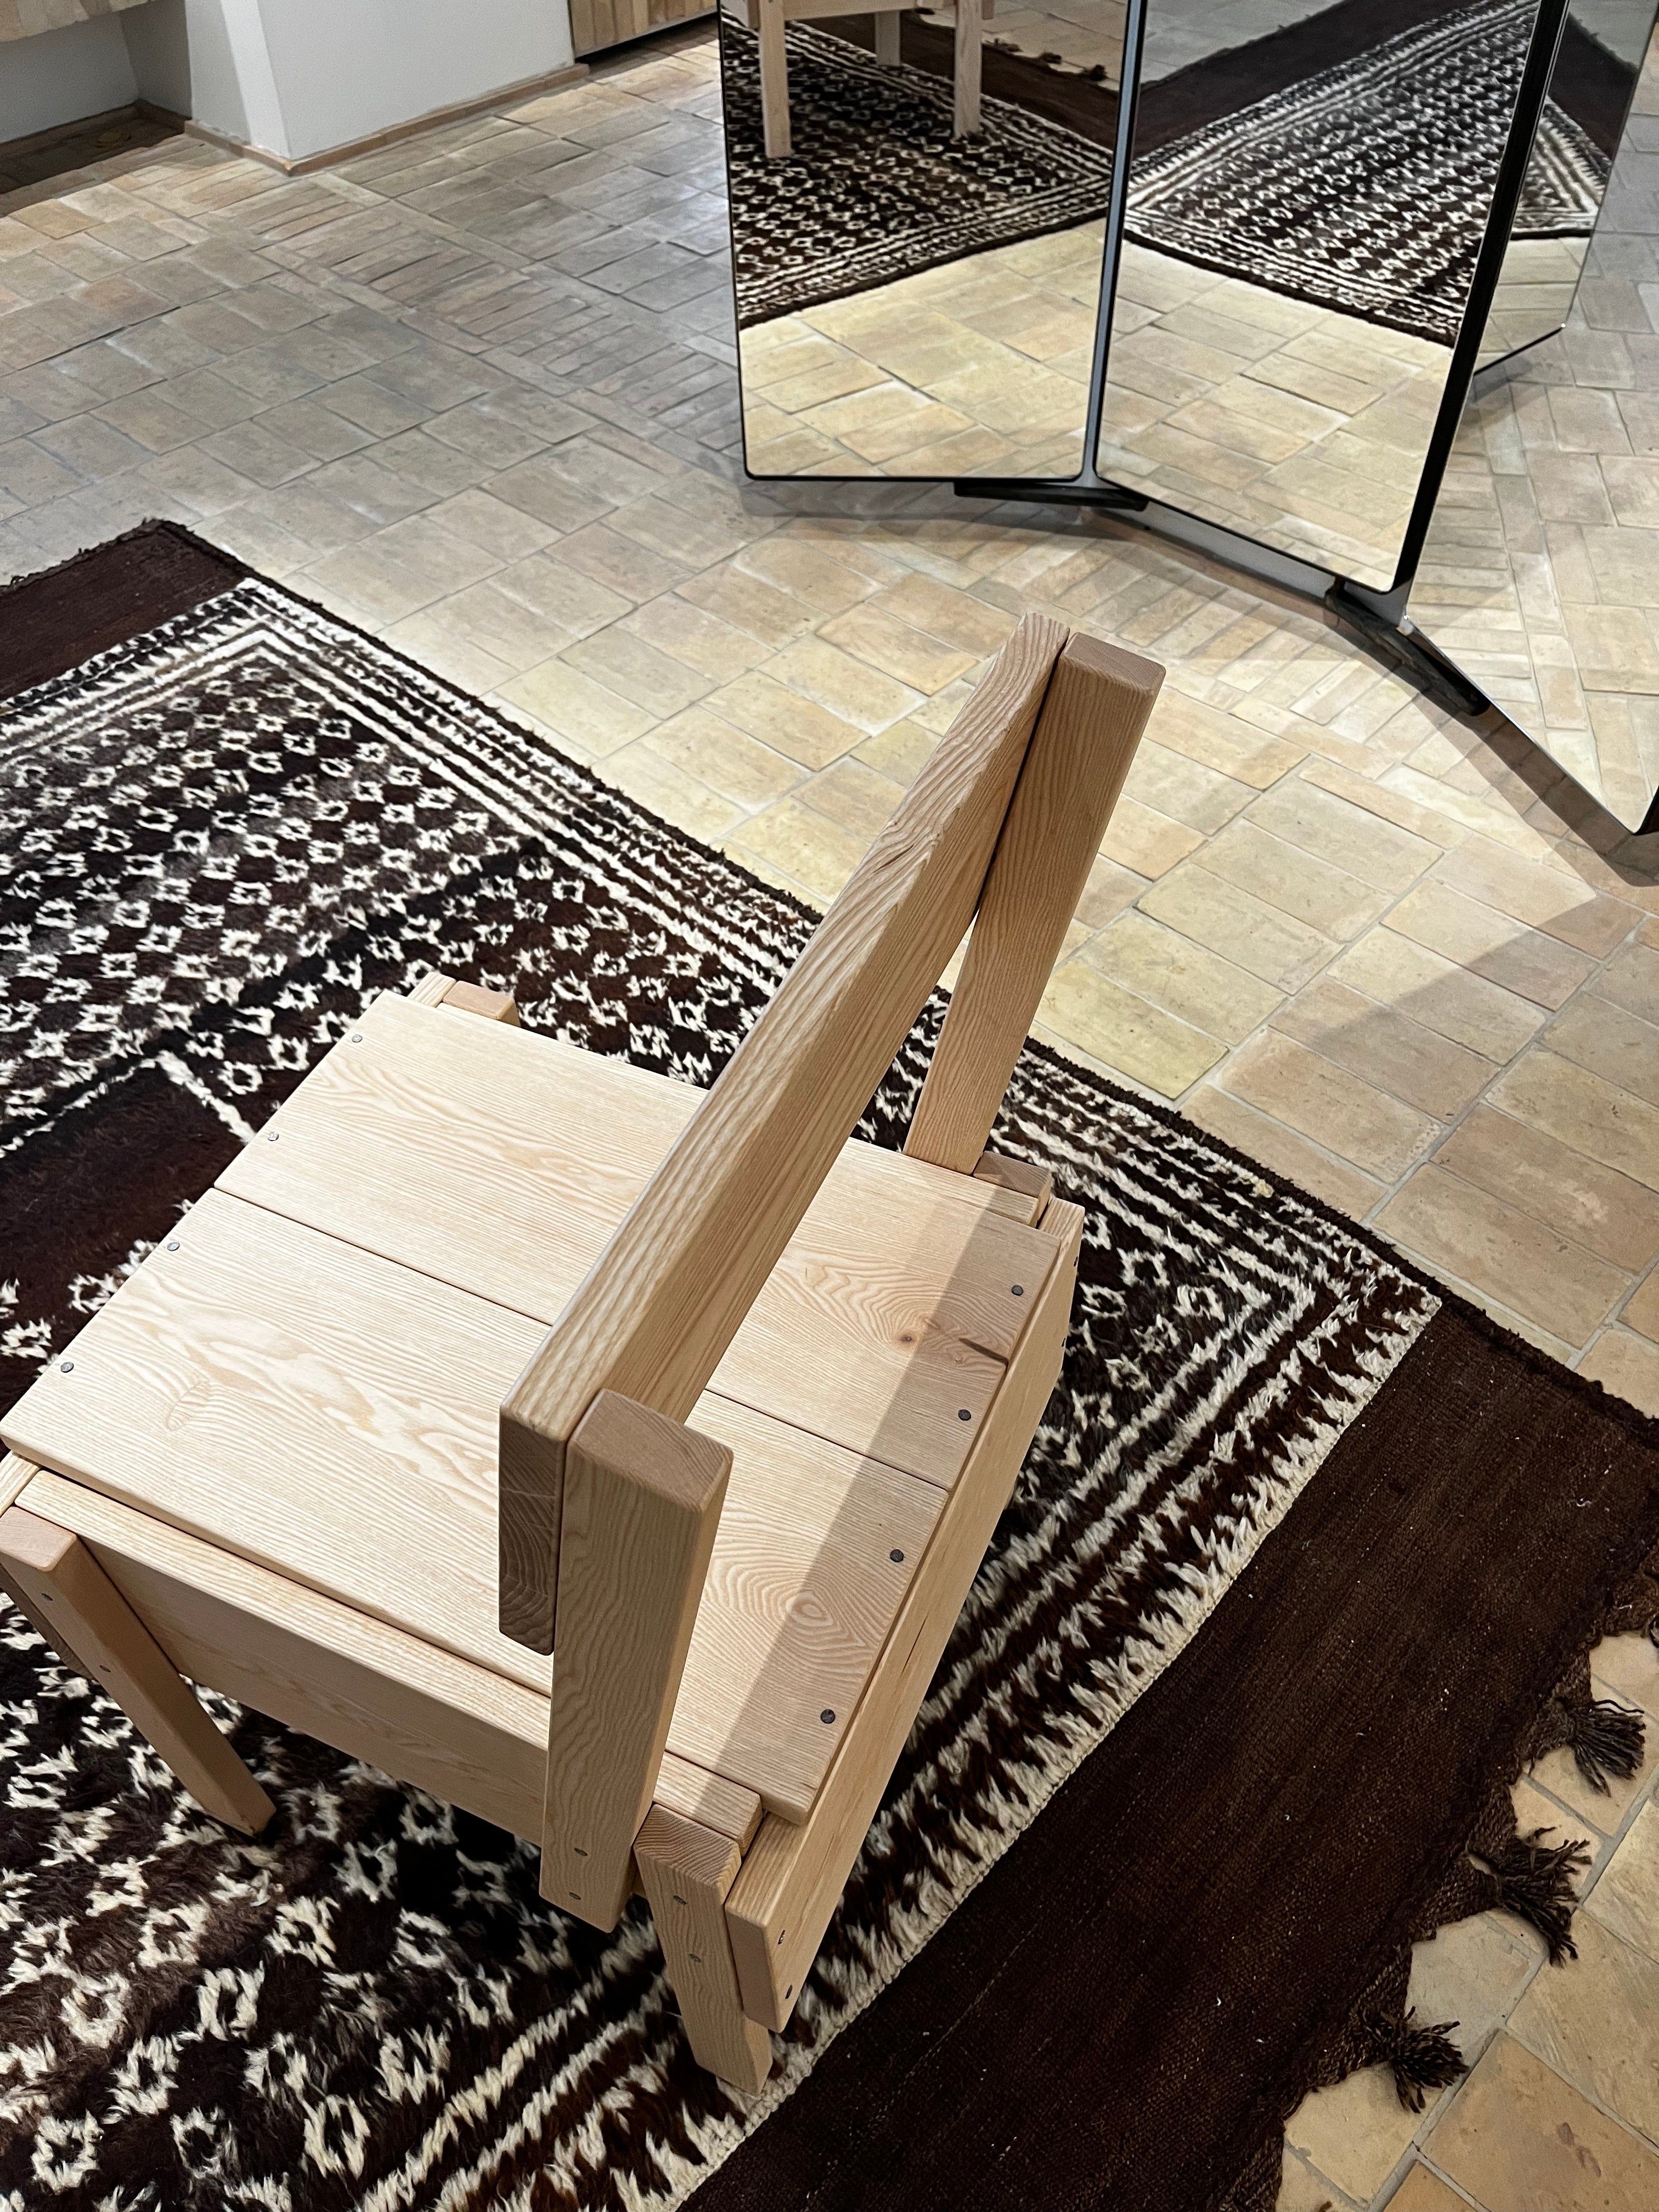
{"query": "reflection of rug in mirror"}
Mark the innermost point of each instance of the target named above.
(877, 188)
(1360, 184)
(1366, 187)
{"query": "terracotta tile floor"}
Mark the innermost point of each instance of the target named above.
(477, 392)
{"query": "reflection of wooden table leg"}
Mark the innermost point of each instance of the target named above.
(966, 67)
(774, 79)
(887, 36)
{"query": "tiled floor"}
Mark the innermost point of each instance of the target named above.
(477, 392)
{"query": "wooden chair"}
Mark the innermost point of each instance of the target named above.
(766, 18)
(431, 1345)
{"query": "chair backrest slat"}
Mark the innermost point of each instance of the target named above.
(657, 1310)
(1079, 754)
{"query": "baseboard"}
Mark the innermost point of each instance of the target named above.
(504, 95)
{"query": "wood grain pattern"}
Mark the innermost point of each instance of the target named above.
(686, 1871)
(709, 1799)
(467, 1150)
(793, 1876)
(383, 1386)
(1080, 751)
(642, 1499)
(655, 1314)
(82, 1611)
(802, 1593)
(417, 1712)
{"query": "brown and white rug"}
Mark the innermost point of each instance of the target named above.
(224, 819)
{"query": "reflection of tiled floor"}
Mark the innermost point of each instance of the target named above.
(1535, 293)
(1089, 32)
(979, 367)
(1301, 427)
(1540, 575)
(476, 391)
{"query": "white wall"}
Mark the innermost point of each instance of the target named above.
(343, 71)
(294, 77)
(58, 76)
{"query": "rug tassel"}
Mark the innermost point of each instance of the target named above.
(1607, 1741)
(1422, 2058)
(1534, 1880)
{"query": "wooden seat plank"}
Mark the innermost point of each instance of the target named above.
(331, 1416)
(501, 1161)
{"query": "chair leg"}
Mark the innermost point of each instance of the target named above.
(62, 1589)
(686, 1871)
(887, 37)
(969, 26)
(774, 79)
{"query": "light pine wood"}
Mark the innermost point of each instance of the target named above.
(596, 24)
(709, 1799)
(1031, 1187)
(749, 1610)
(383, 1384)
(468, 1151)
(793, 1876)
(686, 1871)
(81, 1612)
(1079, 755)
(473, 998)
(774, 79)
(967, 70)
(659, 1307)
(469, 1736)
(642, 1499)
(433, 988)
(801, 11)
(802, 1593)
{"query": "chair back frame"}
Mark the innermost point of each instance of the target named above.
(1004, 823)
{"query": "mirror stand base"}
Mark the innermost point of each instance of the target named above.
(1377, 620)
(1081, 492)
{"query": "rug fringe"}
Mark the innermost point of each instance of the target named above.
(1498, 1869)
(1607, 1741)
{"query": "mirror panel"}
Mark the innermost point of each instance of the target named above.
(1305, 211)
(914, 301)
(1539, 575)
(1600, 59)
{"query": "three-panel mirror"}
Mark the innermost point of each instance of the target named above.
(1311, 233)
